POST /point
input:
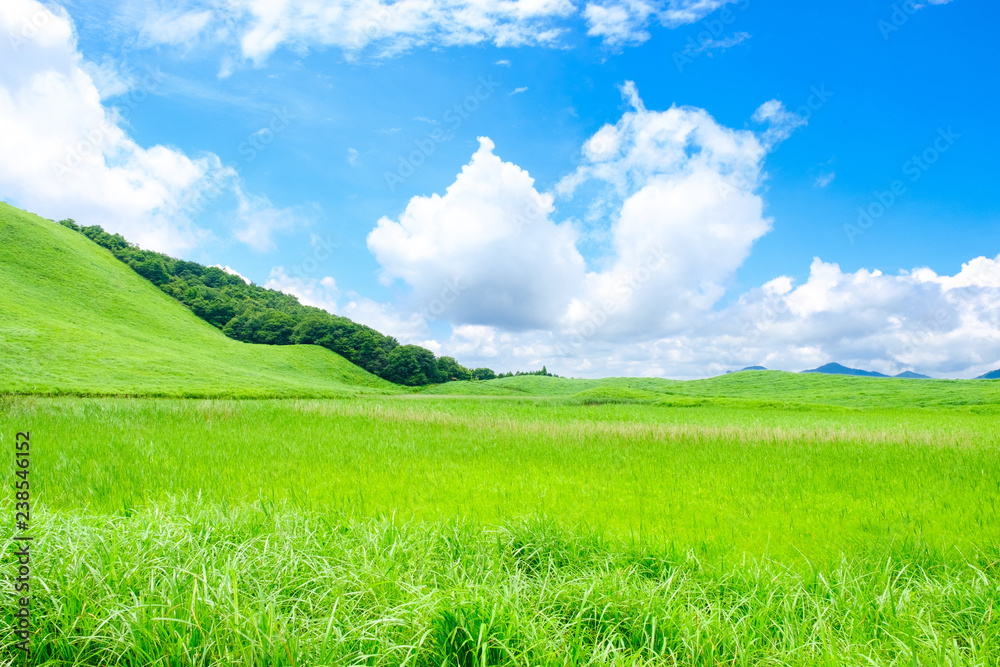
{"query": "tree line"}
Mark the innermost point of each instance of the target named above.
(254, 314)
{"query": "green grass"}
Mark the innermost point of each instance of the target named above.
(720, 479)
(78, 321)
(758, 518)
(180, 584)
(444, 531)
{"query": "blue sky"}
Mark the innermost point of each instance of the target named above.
(251, 134)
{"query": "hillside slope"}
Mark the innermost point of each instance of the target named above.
(76, 320)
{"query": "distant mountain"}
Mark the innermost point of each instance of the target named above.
(749, 368)
(838, 369)
(992, 375)
(912, 376)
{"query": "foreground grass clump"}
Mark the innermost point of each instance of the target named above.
(182, 583)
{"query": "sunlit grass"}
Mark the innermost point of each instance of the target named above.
(183, 584)
(717, 478)
(538, 531)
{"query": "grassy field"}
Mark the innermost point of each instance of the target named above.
(78, 321)
(429, 530)
(200, 501)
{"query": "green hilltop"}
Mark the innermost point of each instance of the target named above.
(78, 321)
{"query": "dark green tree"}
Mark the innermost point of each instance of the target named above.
(449, 369)
(411, 365)
(484, 374)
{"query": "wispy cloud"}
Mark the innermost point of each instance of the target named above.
(824, 179)
(518, 91)
(709, 45)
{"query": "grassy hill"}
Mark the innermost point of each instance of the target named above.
(78, 321)
(760, 387)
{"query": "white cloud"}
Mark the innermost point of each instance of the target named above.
(518, 91)
(352, 156)
(937, 324)
(262, 26)
(619, 23)
(256, 28)
(781, 122)
(487, 252)
(319, 292)
(945, 326)
(484, 253)
(680, 12)
(623, 22)
(687, 217)
(679, 196)
(64, 154)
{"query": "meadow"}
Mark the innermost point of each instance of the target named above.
(202, 501)
(608, 528)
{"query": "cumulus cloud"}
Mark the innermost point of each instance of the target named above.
(63, 153)
(945, 326)
(486, 252)
(948, 325)
(687, 214)
(681, 195)
(688, 217)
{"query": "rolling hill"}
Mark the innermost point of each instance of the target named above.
(78, 321)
